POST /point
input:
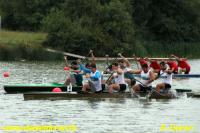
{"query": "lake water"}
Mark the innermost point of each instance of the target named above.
(94, 116)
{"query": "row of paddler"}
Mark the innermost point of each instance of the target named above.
(121, 73)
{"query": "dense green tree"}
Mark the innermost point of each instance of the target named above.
(170, 20)
(91, 24)
(25, 14)
(108, 26)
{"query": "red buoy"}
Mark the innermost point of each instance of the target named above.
(66, 68)
(6, 74)
(56, 90)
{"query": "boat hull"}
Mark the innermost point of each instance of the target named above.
(74, 95)
(23, 88)
(156, 95)
(193, 95)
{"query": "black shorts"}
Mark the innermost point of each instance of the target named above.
(175, 72)
(167, 86)
(98, 91)
(122, 87)
(133, 82)
(145, 89)
(187, 71)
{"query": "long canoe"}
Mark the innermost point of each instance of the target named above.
(22, 88)
(74, 95)
(174, 76)
(193, 94)
(177, 75)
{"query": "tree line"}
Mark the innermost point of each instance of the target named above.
(109, 26)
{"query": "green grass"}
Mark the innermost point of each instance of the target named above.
(15, 45)
(16, 38)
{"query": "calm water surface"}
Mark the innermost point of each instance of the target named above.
(94, 116)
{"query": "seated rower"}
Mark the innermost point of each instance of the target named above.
(167, 75)
(126, 67)
(141, 61)
(147, 77)
(183, 64)
(94, 82)
(118, 76)
(74, 76)
(173, 66)
(154, 65)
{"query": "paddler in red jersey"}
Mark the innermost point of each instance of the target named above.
(183, 64)
(173, 66)
(141, 60)
(154, 65)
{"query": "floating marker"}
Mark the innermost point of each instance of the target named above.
(56, 90)
(66, 68)
(6, 74)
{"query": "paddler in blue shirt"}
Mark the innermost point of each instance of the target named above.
(86, 69)
(94, 82)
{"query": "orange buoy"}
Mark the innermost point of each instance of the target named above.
(56, 90)
(6, 74)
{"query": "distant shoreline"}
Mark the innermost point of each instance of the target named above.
(16, 46)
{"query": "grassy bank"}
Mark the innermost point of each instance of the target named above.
(28, 46)
(16, 38)
(165, 49)
(24, 45)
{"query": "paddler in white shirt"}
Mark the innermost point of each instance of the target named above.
(147, 77)
(126, 67)
(118, 76)
(167, 77)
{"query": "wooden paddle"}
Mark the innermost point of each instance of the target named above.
(65, 53)
(107, 60)
(86, 57)
(136, 61)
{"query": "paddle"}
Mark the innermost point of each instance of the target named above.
(86, 57)
(136, 62)
(128, 64)
(107, 60)
(65, 53)
(149, 87)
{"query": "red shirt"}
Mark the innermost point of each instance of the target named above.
(142, 61)
(173, 65)
(184, 65)
(155, 65)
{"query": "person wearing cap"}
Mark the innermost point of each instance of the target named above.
(173, 66)
(183, 64)
(154, 65)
